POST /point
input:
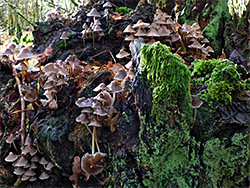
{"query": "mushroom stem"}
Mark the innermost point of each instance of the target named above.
(98, 149)
(65, 43)
(195, 113)
(93, 140)
(84, 43)
(93, 39)
(113, 99)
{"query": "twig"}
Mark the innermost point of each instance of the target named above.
(18, 12)
(22, 106)
(112, 56)
(98, 54)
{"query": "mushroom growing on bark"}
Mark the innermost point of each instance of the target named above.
(64, 36)
(196, 102)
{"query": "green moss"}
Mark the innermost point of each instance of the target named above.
(123, 10)
(219, 15)
(226, 166)
(165, 154)
(221, 78)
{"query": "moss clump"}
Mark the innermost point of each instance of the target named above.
(221, 78)
(165, 153)
(123, 10)
(226, 166)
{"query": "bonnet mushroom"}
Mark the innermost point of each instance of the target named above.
(64, 36)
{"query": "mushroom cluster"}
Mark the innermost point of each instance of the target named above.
(92, 28)
(26, 163)
(184, 39)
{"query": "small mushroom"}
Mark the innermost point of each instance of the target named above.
(93, 163)
(196, 102)
(11, 157)
(43, 161)
(122, 53)
(19, 171)
(44, 176)
(64, 36)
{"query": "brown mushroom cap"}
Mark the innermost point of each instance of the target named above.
(153, 33)
(196, 102)
(114, 87)
(19, 171)
(10, 139)
(64, 36)
(30, 96)
(205, 40)
(195, 45)
(21, 162)
(107, 5)
(163, 31)
(94, 13)
(130, 37)
(25, 53)
(53, 105)
(33, 178)
(83, 118)
(43, 161)
(30, 172)
(94, 123)
(44, 176)
(33, 165)
(120, 75)
(49, 166)
(20, 66)
(50, 68)
(11, 157)
(100, 87)
(140, 33)
(100, 111)
(122, 53)
(140, 24)
(24, 177)
(129, 29)
(93, 164)
(195, 26)
(209, 49)
(83, 102)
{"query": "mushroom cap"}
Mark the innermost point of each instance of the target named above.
(24, 177)
(169, 21)
(43, 161)
(107, 5)
(83, 102)
(122, 53)
(129, 29)
(10, 139)
(11, 157)
(154, 25)
(49, 84)
(195, 45)
(195, 26)
(30, 172)
(30, 96)
(130, 37)
(93, 164)
(35, 159)
(209, 49)
(84, 26)
(25, 53)
(97, 22)
(52, 77)
(165, 15)
(94, 13)
(100, 87)
(153, 33)
(19, 171)
(97, 28)
(114, 87)
(140, 33)
(7, 52)
(49, 166)
(64, 36)
(50, 68)
(94, 123)
(33, 165)
(21, 162)
(44, 176)
(29, 149)
(33, 178)
(83, 118)
(100, 111)
(205, 40)
(163, 31)
(87, 110)
(53, 105)
(140, 24)
(120, 75)
(196, 102)
(186, 28)
(20, 66)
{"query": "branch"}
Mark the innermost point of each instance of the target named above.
(22, 105)
(14, 8)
